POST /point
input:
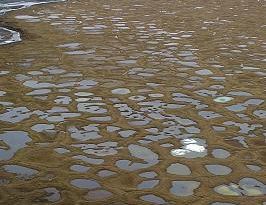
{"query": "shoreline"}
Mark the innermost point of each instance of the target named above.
(13, 28)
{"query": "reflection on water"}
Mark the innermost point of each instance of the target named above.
(13, 141)
(8, 36)
(184, 188)
(134, 102)
(179, 169)
(20, 171)
(246, 186)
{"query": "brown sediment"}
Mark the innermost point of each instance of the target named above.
(106, 47)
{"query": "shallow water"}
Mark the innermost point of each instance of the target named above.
(134, 102)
